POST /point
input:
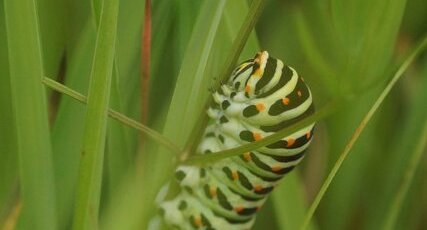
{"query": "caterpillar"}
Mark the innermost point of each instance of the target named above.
(261, 97)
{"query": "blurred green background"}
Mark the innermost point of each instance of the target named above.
(343, 49)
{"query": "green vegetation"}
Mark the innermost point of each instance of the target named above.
(67, 165)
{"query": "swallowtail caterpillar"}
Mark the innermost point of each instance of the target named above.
(262, 96)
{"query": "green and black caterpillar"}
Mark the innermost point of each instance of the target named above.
(261, 97)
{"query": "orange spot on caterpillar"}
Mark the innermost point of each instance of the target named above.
(235, 175)
(299, 93)
(260, 106)
(247, 156)
(290, 142)
(276, 168)
(285, 101)
(238, 209)
(258, 72)
(257, 136)
(258, 188)
(212, 191)
(308, 135)
(247, 89)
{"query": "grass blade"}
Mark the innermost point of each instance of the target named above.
(31, 118)
(191, 75)
(359, 130)
(8, 142)
(90, 172)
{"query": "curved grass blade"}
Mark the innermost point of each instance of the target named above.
(359, 130)
(31, 118)
(90, 172)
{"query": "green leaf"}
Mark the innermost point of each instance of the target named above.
(30, 116)
(8, 141)
(91, 163)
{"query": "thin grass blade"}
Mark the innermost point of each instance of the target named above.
(114, 114)
(90, 172)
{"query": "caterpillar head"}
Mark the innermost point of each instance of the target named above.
(247, 74)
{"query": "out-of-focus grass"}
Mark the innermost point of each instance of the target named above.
(8, 163)
(343, 49)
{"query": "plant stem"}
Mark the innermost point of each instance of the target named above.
(115, 115)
